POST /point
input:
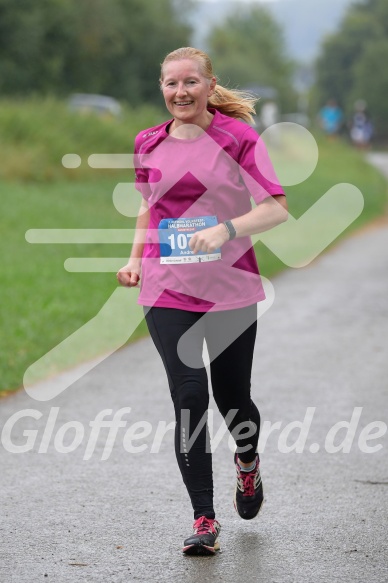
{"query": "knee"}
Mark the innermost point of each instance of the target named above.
(194, 397)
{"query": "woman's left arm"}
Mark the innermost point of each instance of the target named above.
(266, 215)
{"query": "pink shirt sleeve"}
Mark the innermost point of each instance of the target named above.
(141, 174)
(256, 168)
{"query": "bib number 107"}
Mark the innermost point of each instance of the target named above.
(180, 241)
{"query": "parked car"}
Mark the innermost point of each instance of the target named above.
(91, 103)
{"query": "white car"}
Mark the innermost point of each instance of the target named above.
(100, 104)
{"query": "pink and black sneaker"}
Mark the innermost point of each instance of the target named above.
(249, 495)
(204, 540)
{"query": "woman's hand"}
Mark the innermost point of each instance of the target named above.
(208, 240)
(129, 275)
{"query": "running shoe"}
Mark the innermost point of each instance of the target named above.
(249, 495)
(204, 540)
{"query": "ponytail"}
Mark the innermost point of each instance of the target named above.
(234, 103)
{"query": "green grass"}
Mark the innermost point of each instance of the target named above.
(338, 163)
(42, 303)
(35, 134)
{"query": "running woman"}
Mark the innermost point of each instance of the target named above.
(199, 280)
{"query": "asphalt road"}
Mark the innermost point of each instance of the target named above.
(321, 354)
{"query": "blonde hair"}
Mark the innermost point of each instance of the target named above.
(232, 102)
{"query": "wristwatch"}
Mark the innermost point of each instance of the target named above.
(231, 230)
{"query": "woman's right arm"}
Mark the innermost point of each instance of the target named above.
(130, 274)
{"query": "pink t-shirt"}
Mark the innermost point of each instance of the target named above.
(214, 174)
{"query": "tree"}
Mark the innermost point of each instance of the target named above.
(352, 64)
(373, 87)
(34, 44)
(248, 49)
(115, 47)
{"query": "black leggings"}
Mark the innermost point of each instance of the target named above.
(231, 357)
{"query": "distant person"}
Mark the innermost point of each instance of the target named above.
(331, 118)
(361, 128)
(269, 114)
(269, 117)
(194, 258)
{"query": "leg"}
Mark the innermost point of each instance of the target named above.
(189, 391)
(231, 373)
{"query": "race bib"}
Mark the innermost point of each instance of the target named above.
(174, 237)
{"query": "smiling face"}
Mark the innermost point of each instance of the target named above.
(186, 92)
